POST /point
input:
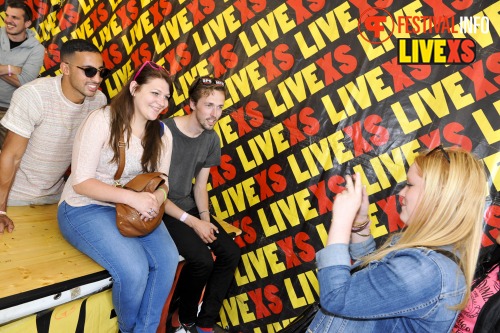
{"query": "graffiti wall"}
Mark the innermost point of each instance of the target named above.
(316, 90)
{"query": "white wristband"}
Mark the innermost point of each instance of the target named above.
(2, 212)
(9, 70)
(183, 217)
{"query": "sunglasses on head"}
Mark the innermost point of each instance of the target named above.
(210, 81)
(151, 64)
(441, 149)
(90, 71)
(206, 81)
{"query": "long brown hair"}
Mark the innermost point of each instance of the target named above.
(122, 112)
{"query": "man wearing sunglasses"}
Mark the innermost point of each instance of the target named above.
(195, 149)
(21, 54)
(42, 121)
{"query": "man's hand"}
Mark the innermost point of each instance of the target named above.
(13, 150)
(205, 230)
(6, 224)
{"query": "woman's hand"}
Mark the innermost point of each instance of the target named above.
(146, 204)
(348, 204)
(361, 225)
(161, 194)
(362, 214)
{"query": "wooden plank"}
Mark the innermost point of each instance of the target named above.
(36, 255)
(229, 228)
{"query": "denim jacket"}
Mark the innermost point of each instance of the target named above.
(409, 290)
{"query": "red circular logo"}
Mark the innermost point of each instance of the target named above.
(373, 22)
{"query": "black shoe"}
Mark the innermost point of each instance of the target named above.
(189, 328)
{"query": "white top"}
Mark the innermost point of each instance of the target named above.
(39, 111)
(92, 158)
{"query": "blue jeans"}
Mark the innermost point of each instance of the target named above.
(142, 268)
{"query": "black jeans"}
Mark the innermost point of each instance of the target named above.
(201, 271)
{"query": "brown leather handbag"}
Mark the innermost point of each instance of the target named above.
(128, 219)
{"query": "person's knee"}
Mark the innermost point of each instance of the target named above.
(133, 275)
(204, 262)
(169, 258)
(167, 264)
(232, 254)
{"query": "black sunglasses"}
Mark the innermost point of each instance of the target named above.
(441, 149)
(92, 71)
(206, 81)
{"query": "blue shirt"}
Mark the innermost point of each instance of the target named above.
(409, 290)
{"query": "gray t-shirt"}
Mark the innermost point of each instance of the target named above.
(189, 156)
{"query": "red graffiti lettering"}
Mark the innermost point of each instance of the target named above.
(439, 8)
(324, 202)
(248, 118)
(68, 16)
(493, 65)
(341, 55)
(287, 247)
(99, 15)
(225, 53)
(388, 206)
(178, 57)
(482, 86)
(112, 56)
(249, 235)
(225, 171)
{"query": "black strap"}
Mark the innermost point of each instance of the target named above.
(449, 254)
(446, 253)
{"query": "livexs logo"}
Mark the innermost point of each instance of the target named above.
(376, 25)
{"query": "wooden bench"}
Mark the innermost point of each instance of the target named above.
(41, 270)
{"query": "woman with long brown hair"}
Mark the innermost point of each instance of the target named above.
(142, 268)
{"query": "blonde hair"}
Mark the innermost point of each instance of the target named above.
(450, 211)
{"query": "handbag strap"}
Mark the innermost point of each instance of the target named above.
(121, 151)
(121, 158)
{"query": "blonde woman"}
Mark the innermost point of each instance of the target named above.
(420, 278)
